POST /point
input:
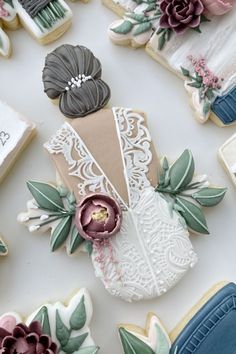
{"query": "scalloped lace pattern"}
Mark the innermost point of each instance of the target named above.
(152, 251)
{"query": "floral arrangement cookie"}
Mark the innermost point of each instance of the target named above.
(207, 328)
(16, 132)
(185, 37)
(114, 197)
(52, 328)
(45, 20)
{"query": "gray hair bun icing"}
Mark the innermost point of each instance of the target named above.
(73, 74)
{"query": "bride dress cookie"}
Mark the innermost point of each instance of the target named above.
(185, 37)
(53, 328)
(209, 328)
(132, 213)
(227, 156)
(15, 134)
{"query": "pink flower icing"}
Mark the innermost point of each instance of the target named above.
(3, 12)
(8, 322)
(218, 7)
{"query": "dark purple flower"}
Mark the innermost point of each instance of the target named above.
(179, 15)
(24, 339)
(98, 217)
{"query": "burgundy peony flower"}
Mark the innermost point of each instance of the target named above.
(179, 15)
(98, 217)
(22, 339)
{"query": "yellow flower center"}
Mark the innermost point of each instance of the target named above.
(100, 215)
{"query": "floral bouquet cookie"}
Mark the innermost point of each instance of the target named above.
(113, 196)
(51, 329)
(208, 328)
(45, 20)
(187, 37)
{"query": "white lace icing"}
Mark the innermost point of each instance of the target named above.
(152, 251)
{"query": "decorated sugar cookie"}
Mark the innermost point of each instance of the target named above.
(185, 37)
(52, 328)
(3, 247)
(131, 212)
(208, 328)
(45, 20)
(16, 133)
(227, 156)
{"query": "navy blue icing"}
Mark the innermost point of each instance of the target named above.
(224, 107)
(213, 329)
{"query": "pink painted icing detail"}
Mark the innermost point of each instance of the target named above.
(3, 12)
(8, 323)
(218, 7)
(210, 80)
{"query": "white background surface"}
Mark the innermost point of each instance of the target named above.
(31, 274)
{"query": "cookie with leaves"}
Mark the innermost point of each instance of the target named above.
(207, 328)
(52, 328)
(8, 21)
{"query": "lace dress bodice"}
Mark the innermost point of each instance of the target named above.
(152, 251)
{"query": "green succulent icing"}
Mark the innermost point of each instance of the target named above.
(186, 197)
(133, 345)
(42, 317)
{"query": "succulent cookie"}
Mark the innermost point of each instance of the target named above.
(15, 134)
(53, 328)
(185, 37)
(208, 328)
(116, 188)
(227, 156)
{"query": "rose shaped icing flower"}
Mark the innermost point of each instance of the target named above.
(98, 217)
(218, 7)
(179, 15)
(19, 338)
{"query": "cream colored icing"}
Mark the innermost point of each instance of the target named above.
(227, 154)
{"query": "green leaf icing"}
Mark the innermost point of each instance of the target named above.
(46, 196)
(62, 332)
(42, 317)
(193, 216)
(132, 344)
(209, 197)
(78, 317)
(162, 346)
(125, 27)
(60, 233)
(75, 240)
(181, 172)
(74, 343)
(142, 28)
(89, 247)
(88, 350)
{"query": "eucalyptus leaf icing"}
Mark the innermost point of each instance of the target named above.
(64, 68)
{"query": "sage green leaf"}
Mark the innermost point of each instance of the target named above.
(161, 41)
(193, 216)
(210, 94)
(46, 196)
(74, 343)
(89, 247)
(206, 107)
(163, 345)
(3, 248)
(209, 196)
(125, 27)
(150, 7)
(75, 240)
(185, 72)
(42, 317)
(132, 344)
(142, 28)
(181, 172)
(62, 332)
(60, 233)
(165, 164)
(79, 317)
(136, 17)
(195, 84)
(88, 350)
